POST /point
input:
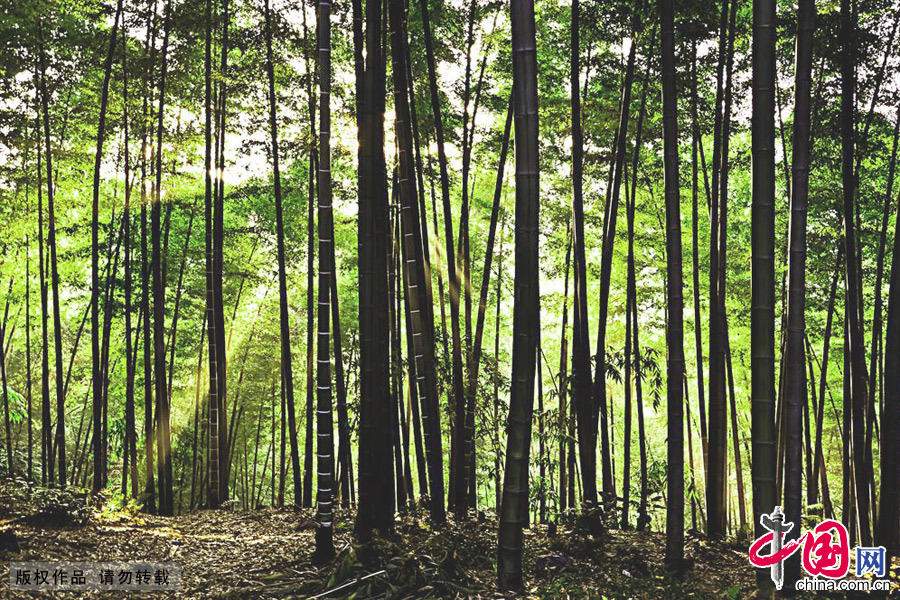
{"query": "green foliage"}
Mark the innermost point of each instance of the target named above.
(74, 37)
(61, 507)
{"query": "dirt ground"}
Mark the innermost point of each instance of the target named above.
(268, 554)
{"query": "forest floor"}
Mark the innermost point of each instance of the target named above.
(268, 554)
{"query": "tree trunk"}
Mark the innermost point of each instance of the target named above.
(809, 405)
(887, 531)
(345, 456)
(453, 280)
(286, 369)
(440, 276)
(716, 480)
(46, 456)
(496, 374)
(461, 441)
(818, 465)
(421, 322)
(475, 362)
(218, 260)
(876, 355)
(29, 474)
(609, 236)
(848, 511)
(563, 382)
(324, 419)
(674, 326)
(819, 473)
(112, 268)
(145, 277)
(262, 478)
(542, 444)
(697, 144)
(762, 317)
(857, 351)
(129, 450)
(216, 457)
(3, 326)
(197, 413)
(471, 366)
(795, 383)
(164, 462)
(581, 359)
(236, 406)
(251, 505)
(97, 368)
(413, 397)
(643, 518)
(310, 328)
(80, 453)
(395, 299)
(272, 444)
(526, 312)
(240, 291)
(631, 299)
(281, 458)
(310, 294)
(693, 481)
(375, 485)
(420, 177)
(402, 467)
(716, 370)
(150, 485)
(178, 290)
(54, 274)
(735, 435)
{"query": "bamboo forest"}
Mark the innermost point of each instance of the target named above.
(450, 298)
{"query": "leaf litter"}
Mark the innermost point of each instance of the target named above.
(269, 554)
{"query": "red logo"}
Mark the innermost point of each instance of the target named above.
(826, 548)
